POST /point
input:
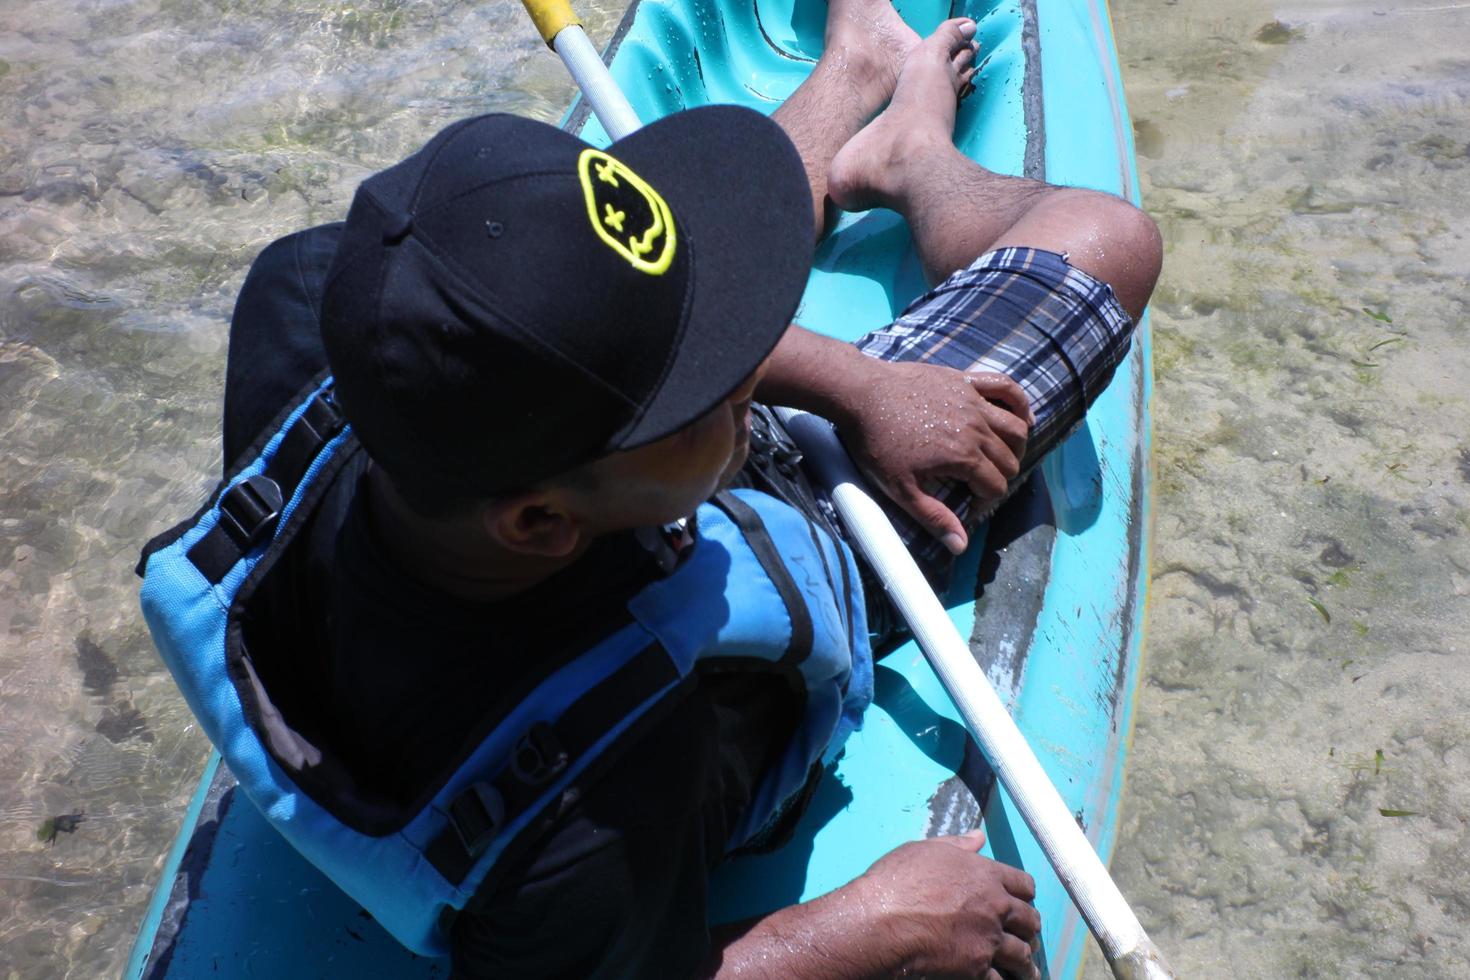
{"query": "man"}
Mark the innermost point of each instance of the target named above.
(549, 355)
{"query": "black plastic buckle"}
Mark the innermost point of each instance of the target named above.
(476, 815)
(249, 510)
(538, 756)
(323, 418)
(787, 458)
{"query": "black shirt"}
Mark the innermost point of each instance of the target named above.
(397, 680)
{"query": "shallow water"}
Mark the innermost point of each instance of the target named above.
(151, 148)
(1309, 164)
(1310, 434)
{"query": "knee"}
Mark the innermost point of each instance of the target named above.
(1138, 235)
(1129, 251)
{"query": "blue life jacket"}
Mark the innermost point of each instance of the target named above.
(762, 588)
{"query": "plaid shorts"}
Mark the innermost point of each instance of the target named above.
(1025, 313)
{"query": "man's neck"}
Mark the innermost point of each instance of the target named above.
(454, 555)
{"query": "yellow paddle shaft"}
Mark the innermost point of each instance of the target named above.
(563, 31)
(551, 17)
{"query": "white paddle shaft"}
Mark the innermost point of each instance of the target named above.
(598, 87)
(1127, 947)
(1103, 907)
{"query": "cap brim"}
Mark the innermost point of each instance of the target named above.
(740, 199)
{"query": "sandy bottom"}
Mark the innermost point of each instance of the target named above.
(1300, 785)
(151, 149)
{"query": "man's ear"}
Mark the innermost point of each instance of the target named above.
(537, 522)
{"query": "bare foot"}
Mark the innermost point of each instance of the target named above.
(868, 39)
(875, 166)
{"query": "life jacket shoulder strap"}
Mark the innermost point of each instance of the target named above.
(481, 811)
(235, 468)
(251, 508)
(753, 529)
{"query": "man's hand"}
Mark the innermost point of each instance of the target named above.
(908, 425)
(932, 908)
(913, 425)
(953, 913)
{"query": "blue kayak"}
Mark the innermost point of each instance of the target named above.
(1051, 594)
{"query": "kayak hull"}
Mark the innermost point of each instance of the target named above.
(1053, 601)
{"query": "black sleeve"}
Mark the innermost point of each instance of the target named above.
(275, 337)
(633, 907)
(618, 885)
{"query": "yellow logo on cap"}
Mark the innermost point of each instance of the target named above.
(626, 213)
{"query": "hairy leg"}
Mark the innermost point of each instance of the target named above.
(905, 159)
(865, 47)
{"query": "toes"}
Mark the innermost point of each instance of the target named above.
(955, 33)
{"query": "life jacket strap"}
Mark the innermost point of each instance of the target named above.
(250, 510)
(744, 516)
(484, 809)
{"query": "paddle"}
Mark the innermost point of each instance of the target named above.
(1127, 947)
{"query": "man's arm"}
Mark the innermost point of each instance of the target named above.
(908, 425)
(932, 907)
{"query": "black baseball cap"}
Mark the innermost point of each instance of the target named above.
(511, 302)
